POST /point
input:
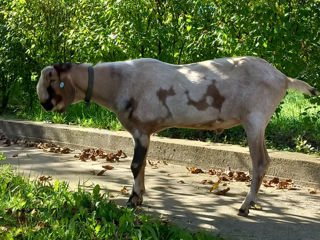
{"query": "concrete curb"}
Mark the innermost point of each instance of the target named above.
(302, 168)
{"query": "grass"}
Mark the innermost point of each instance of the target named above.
(294, 127)
(45, 210)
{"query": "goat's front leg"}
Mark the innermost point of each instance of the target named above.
(138, 167)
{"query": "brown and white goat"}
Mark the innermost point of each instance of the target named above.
(148, 95)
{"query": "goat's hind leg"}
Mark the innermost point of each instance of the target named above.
(255, 129)
(138, 167)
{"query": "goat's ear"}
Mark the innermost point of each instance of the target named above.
(62, 67)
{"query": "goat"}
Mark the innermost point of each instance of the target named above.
(148, 95)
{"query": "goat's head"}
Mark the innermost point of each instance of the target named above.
(55, 88)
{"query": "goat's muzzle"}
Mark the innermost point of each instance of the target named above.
(48, 106)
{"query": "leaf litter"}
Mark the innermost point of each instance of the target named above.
(194, 170)
(93, 154)
(225, 176)
(280, 184)
(154, 164)
(50, 147)
(47, 147)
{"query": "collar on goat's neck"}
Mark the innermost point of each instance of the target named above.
(90, 86)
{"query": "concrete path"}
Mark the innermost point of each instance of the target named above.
(174, 192)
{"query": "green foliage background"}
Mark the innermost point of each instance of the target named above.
(37, 33)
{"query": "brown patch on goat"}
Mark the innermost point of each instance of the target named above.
(67, 93)
(132, 122)
(62, 67)
(213, 92)
(162, 95)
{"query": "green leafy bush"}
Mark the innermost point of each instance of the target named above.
(37, 33)
(49, 210)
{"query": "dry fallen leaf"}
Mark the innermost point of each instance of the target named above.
(257, 207)
(224, 177)
(40, 225)
(282, 185)
(112, 196)
(194, 170)
(215, 186)
(34, 212)
(124, 190)
(153, 164)
(108, 167)
(7, 143)
(3, 229)
(312, 191)
(222, 192)
(66, 150)
(44, 178)
(274, 181)
(101, 172)
(119, 153)
(8, 211)
(100, 153)
(212, 172)
(266, 183)
(22, 216)
(205, 181)
(241, 176)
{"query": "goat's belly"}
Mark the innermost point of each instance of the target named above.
(218, 124)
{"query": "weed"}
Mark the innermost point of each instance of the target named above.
(303, 146)
(2, 157)
(49, 210)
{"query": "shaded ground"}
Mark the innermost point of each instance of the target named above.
(285, 215)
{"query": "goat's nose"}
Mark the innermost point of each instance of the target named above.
(48, 106)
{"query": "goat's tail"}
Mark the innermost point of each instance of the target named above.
(302, 86)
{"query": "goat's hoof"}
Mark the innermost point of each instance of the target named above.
(134, 200)
(243, 212)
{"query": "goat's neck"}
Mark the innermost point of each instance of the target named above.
(104, 87)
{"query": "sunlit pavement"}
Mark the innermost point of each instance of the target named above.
(174, 192)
